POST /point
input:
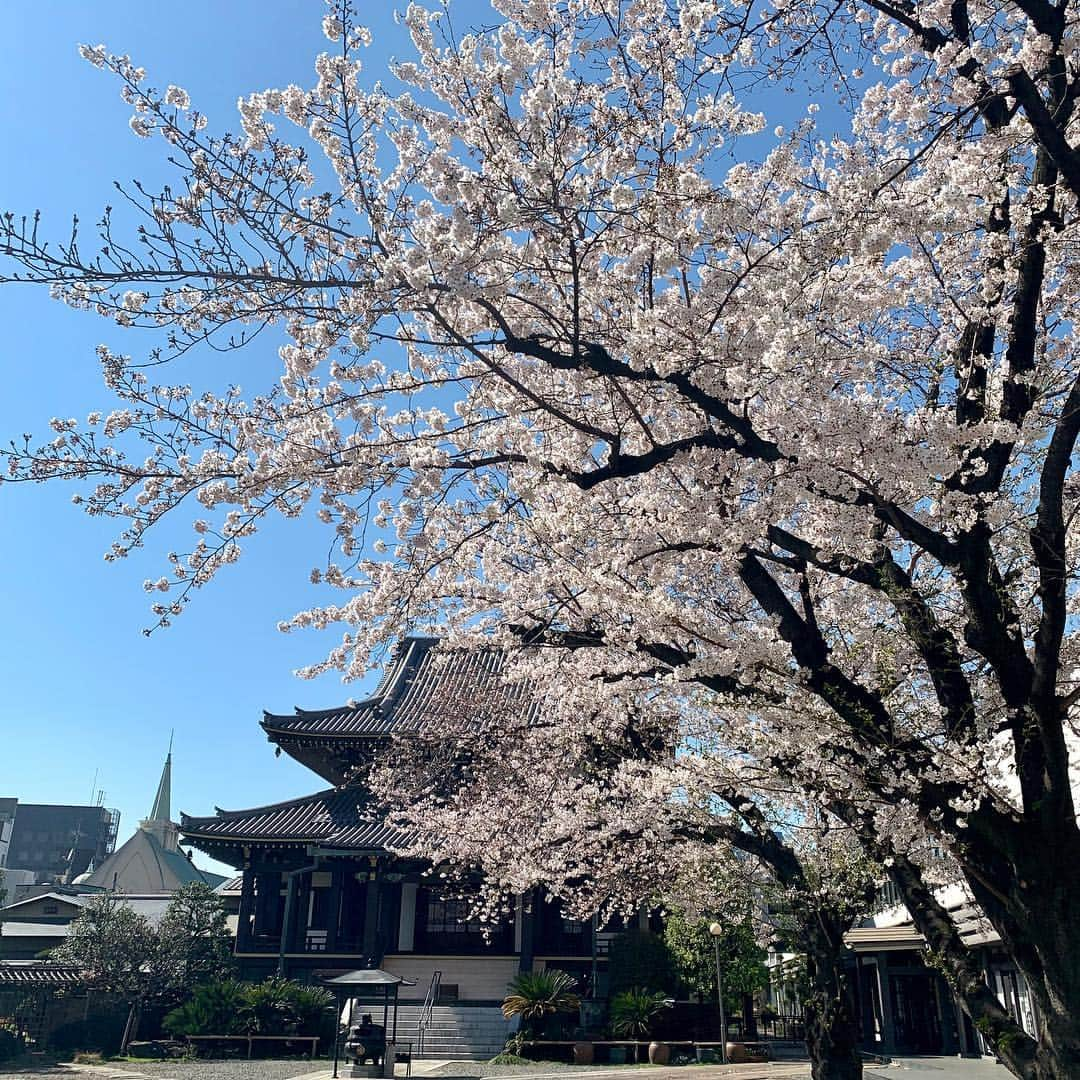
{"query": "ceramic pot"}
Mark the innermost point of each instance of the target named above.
(584, 1053)
(659, 1053)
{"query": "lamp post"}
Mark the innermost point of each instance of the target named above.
(717, 932)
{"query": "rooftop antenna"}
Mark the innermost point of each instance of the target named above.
(93, 785)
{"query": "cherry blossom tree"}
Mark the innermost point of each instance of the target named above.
(569, 347)
(629, 807)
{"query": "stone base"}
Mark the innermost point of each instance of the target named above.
(365, 1070)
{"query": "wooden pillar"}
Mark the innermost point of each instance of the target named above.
(295, 919)
(371, 916)
(333, 920)
(406, 941)
(247, 908)
(529, 915)
(888, 1028)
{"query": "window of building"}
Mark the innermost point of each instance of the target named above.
(49, 909)
(451, 917)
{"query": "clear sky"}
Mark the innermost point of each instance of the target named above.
(82, 691)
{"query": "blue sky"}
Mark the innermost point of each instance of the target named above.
(83, 691)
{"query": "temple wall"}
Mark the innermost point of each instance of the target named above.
(478, 978)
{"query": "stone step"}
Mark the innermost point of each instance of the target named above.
(469, 1033)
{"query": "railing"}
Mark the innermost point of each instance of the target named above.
(423, 1022)
(782, 1028)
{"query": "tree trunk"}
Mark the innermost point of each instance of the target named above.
(1036, 911)
(832, 1032)
(1040, 930)
(749, 1020)
(130, 1027)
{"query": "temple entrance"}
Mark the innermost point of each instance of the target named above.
(916, 1016)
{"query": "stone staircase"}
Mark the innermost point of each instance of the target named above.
(457, 1032)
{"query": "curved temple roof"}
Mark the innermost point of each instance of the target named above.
(336, 817)
(423, 686)
(421, 683)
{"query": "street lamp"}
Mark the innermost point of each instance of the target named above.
(717, 932)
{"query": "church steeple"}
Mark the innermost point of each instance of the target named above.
(159, 824)
(162, 809)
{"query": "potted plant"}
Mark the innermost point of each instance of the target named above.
(632, 1014)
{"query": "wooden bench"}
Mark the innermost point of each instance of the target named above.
(311, 1040)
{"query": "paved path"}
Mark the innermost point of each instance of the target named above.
(937, 1068)
(942, 1068)
(440, 1070)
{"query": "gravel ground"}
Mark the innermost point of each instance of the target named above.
(484, 1068)
(180, 1070)
(221, 1070)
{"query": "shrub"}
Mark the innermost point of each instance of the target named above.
(11, 1044)
(218, 1008)
(273, 1007)
(88, 1057)
(535, 994)
(310, 1007)
(633, 1012)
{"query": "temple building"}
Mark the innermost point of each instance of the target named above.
(321, 891)
(905, 1004)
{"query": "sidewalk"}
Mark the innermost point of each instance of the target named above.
(445, 1070)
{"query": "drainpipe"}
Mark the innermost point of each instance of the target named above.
(290, 903)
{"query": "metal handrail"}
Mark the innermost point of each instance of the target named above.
(424, 1020)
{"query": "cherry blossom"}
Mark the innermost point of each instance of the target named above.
(759, 422)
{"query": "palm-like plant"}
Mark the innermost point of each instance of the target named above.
(632, 1013)
(216, 1008)
(537, 994)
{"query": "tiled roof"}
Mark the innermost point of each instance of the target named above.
(337, 817)
(36, 973)
(421, 683)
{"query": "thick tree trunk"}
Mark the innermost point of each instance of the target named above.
(832, 1032)
(1040, 929)
(1035, 908)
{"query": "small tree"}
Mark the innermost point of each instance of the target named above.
(117, 951)
(693, 950)
(534, 996)
(195, 937)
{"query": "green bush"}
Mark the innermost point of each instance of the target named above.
(218, 1008)
(633, 1012)
(536, 994)
(273, 1007)
(11, 1044)
(268, 1007)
